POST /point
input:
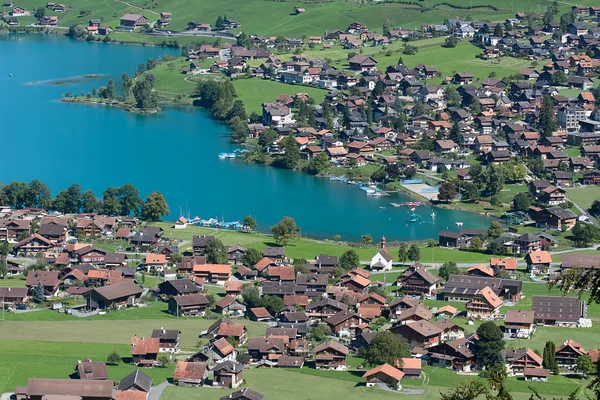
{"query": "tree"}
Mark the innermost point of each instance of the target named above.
(498, 31)
(495, 177)
(155, 207)
(450, 42)
(386, 348)
(291, 156)
(3, 267)
(215, 252)
(319, 333)
(367, 239)
(549, 358)
(521, 202)
(585, 234)
(251, 295)
(40, 12)
(267, 137)
(547, 122)
(418, 109)
(475, 106)
(410, 172)
(447, 191)
(447, 269)
(387, 25)
(379, 175)
(77, 31)
(414, 253)
(219, 22)
(494, 230)
(109, 91)
(37, 194)
(38, 293)
(249, 222)
(467, 390)
(490, 344)
(452, 97)
(402, 253)
(559, 78)
(238, 110)
(273, 304)
(285, 230)
(239, 128)
(113, 358)
(595, 208)
(110, 202)
(89, 202)
(476, 243)
(349, 260)
(69, 200)
(318, 164)
(494, 201)
(145, 97)
(585, 365)
(129, 200)
(471, 192)
(14, 194)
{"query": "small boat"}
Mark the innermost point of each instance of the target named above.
(377, 194)
(395, 205)
(432, 214)
(231, 155)
(381, 207)
(222, 156)
(459, 223)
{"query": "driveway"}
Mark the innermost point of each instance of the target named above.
(157, 391)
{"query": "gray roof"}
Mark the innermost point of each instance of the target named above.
(136, 379)
(245, 393)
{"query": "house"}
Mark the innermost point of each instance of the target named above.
(420, 333)
(244, 394)
(126, 293)
(331, 355)
(536, 374)
(90, 370)
(558, 311)
(260, 314)
(538, 262)
(11, 228)
(179, 287)
(362, 63)
(227, 374)
(399, 305)
(446, 312)
(267, 348)
(48, 279)
(507, 264)
(450, 330)
(190, 374)
(480, 270)
(411, 367)
(133, 21)
(485, 304)
(555, 218)
(465, 287)
(517, 360)
(325, 308)
(445, 146)
(32, 245)
(231, 306)
(137, 381)
(311, 285)
(144, 351)
(519, 323)
(416, 280)
(11, 296)
(385, 374)
(553, 195)
(275, 114)
(454, 354)
(591, 178)
(290, 362)
(568, 353)
(382, 261)
(155, 262)
(189, 305)
(169, 340)
(199, 243)
(233, 288)
(214, 273)
(345, 323)
(576, 261)
(38, 388)
(453, 239)
(235, 254)
(463, 78)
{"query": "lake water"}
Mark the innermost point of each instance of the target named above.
(174, 152)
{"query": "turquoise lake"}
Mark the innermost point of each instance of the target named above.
(174, 152)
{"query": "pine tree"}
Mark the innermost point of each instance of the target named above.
(547, 122)
(38, 293)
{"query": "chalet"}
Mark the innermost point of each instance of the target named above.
(312, 285)
(508, 264)
(11, 228)
(214, 273)
(325, 308)
(591, 178)
(267, 349)
(399, 305)
(555, 218)
(13, 296)
(144, 351)
(90, 255)
(568, 353)
(290, 362)
(179, 287)
(517, 360)
(235, 254)
(454, 354)
(519, 323)
(362, 63)
(133, 21)
(169, 340)
(558, 311)
(446, 312)
(553, 195)
(126, 293)
(277, 115)
(416, 280)
(276, 254)
(199, 243)
(464, 288)
(260, 314)
(38, 388)
(480, 270)
(463, 78)
(331, 355)
(227, 374)
(450, 330)
(244, 394)
(345, 323)
(485, 304)
(56, 233)
(190, 374)
(231, 306)
(538, 262)
(576, 261)
(356, 283)
(137, 381)
(536, 374)
(188, 305)
(384, 374)
(90, 370)
(48, 279)
(420, 333)
(453, 239)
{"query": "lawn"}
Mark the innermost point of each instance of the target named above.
(583, 196)
(13, 281)
(254, 92)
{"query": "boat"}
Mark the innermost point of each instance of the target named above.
(432, 214)
(414, 217)
(222, 156)
(395, 205)
(459, 223)
(231, 155)
(377, 194)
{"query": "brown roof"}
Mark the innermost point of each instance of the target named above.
(91, 370)
(332, 345)
(235, 330)
(284, 273)
(410, 363)
(491, 297)
(540, 257)
(293, 300)
(131, 395)
(30, 238)
(191, 300)
(510, 264)
(263, 263)
(70, 387)
(448, 309)
(519, 317)
(225, 301)
(119, 290)
(223, 346)
(143, 346)
(48, 278)
(387, 370)
(369, 311)
(538, 372)
(424, 328)
(233, 286)
(190, 371)
(260, 312)
(485, 269)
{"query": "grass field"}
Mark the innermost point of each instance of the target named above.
(584, 196)
(13, 281)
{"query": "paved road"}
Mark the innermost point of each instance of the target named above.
(584, 212)
(157, 391)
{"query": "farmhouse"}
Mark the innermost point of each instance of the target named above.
(133, 20)
(558, 311)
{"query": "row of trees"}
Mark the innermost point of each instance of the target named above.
(124, 200)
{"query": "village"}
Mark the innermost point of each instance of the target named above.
(266, 311)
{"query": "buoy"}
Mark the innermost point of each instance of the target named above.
(10, 75)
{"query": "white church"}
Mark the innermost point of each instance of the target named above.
(382, 261)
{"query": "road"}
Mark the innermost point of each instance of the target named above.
(139, 8)
(584, 212)
(157, 391)
(223, 35)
